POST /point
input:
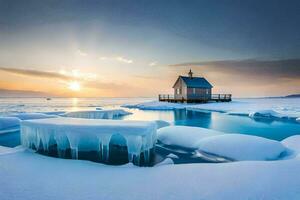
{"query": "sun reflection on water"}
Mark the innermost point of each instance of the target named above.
(75, 104)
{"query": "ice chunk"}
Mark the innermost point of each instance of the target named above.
(184, 136)
(171, 155)
(242, 147)
(161, 123)
(89, 135)
(28, 116)
(167, 161)
(9, 123)
(292, 143)
(266, 113)
(156, 105)
(97, 114)
(54, 112)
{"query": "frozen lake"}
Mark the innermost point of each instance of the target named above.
(264, 127)
(270, 128)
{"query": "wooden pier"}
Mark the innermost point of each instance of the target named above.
(199, 99)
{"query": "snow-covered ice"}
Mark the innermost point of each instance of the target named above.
(293, 143)
(231, 146)
(184, 136)
(162, 123)
(89, 135)
(155, 105)
(97, 114)
(28, 116)
(242, 147)
(171, 155)
(286, 108)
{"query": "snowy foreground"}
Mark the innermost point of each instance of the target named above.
(27, 175)
(285, 108)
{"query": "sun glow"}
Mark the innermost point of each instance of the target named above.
(74, 86)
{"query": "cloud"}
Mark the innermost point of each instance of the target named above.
(152, 64)
(86, 79)
(286, 68)
(81, 53)
(124, 60)
(36, 73)
(118, 58)
(103, 58)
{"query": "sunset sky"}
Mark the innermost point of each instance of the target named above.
(138, 48)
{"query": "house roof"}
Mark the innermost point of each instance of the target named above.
(196, 82)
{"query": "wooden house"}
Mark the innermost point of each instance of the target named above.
(192, 88)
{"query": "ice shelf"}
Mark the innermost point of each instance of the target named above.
(97, 114)
(90, 135)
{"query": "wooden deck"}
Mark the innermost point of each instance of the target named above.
(214, 97)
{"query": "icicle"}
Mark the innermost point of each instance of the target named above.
(62, 144)
(147, 156)
(104, 140)
(134, 145)
(45, 138)
(74, 153)
(74, 143)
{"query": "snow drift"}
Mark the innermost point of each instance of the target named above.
(184, 136)
(293, 143)
(242, 147)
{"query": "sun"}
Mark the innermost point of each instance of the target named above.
(74, 86)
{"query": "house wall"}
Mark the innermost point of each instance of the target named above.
(200, 93)
(183, 89)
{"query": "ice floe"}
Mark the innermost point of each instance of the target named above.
(97, 114)
(28, 116)
(162, 123)
(226, 145)
(90, 135)
(287, 108)
(155, 105)
(184, 136)
(242, 147)
(281, 108)
(171, 155)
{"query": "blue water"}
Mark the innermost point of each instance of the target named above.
(263, 127)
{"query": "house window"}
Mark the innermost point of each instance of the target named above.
(178, 91)
(194, 90)
(207, 91)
